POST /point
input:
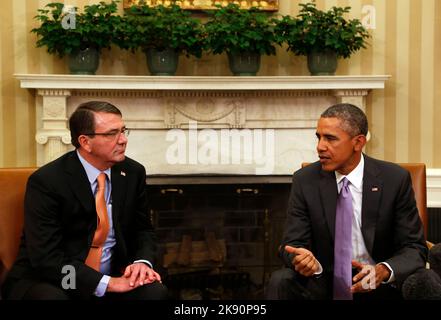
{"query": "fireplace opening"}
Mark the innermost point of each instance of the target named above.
(218, 236)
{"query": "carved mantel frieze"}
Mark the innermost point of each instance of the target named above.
(152, 105)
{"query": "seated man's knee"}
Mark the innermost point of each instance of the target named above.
(424, 284)
(45, 291)
(153, 291)
(282, 275)
(279, 281)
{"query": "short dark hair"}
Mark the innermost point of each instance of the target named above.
(82, 120)
(353, 119)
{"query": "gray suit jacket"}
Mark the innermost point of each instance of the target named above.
(391, 227)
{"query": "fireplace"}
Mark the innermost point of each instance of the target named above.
(218, 235)
(219, 154)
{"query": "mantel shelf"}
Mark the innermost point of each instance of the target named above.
(269, 122)
(111, 82)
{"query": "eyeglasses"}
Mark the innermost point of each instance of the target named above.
(111, 134)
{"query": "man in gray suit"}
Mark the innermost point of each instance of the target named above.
(387, 236)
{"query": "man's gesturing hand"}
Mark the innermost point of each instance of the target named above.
(304, 261)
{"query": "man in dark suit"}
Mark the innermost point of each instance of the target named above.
(61, 220)
(387, 236)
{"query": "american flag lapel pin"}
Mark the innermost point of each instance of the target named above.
(123, 173)
(375, 189)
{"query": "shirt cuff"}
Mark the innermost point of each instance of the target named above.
(320, 269)
(102, 286)
(144, 261)
(392, 275)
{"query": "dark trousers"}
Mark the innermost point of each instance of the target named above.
(47, 291)
(287, 284)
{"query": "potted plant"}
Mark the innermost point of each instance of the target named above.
(322, 36)
(244, 34)
(163, 33)
(80, 36)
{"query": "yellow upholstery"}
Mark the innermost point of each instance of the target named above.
(12, 189)
(418, 175)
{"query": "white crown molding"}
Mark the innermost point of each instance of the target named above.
(110, 82)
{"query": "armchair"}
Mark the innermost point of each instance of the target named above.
(418, 174)
(12, 190)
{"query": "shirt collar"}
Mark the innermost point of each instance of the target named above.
(91, 171)
(355, 177)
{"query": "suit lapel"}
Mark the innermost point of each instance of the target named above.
(119, 189)
(372, 191)
(329, 193)
(77, 179)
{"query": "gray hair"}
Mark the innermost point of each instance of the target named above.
(353, 119)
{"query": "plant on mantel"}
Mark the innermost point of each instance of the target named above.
(326, 33)
(167, 31)
(63, 30)
(245, 33)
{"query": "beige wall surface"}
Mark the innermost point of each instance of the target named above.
(406, 44)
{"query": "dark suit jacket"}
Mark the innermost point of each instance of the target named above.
(60, 221)
(391, 227)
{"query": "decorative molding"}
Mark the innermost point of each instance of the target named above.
(53, 110)
(54, 92)
(197, 94)
(433, 188)
(43, 137)
(205, 110)
(229, 113)
(288, 106)
(129, 94)
(199, 83)
(350, 93)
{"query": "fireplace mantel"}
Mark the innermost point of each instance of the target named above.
(83, 82)
(154, 105)
(283, 110)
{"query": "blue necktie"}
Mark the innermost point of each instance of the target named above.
(343, 244)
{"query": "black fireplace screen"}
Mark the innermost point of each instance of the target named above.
(218, 241)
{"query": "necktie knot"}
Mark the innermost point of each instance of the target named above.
(345, 192)
(345, 182)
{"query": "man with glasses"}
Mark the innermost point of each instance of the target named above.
(81, 241)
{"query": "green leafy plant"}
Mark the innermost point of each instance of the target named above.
(233, 29)
(317, 30)
(160, 28)
(64, 32)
